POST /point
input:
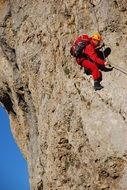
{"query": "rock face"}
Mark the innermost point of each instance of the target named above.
(72, 137)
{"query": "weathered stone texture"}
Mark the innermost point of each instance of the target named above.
(72, 137)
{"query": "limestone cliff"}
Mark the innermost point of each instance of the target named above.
(72, 137)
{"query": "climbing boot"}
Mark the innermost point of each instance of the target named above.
(97, 85)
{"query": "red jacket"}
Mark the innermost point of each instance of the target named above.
(90, 51)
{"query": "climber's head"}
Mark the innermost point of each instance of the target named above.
(96, 38)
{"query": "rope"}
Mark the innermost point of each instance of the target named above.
(119, 69)
(95, 16)
(114, 66)
(97, 24)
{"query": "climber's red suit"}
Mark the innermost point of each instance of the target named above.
(92, 62)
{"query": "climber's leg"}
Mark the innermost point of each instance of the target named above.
(93, 68)
(95, 73)
(103, 54)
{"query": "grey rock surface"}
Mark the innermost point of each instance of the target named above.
(72, 137)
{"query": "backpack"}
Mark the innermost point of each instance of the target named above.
(80, 43)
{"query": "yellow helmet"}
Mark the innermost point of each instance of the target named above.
(97, 36)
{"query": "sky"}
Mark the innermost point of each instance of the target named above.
(13, 167)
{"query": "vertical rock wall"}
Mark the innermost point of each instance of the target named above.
(72, 137)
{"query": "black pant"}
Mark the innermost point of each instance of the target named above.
(103, 54)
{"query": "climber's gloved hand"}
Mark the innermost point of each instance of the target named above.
(107, 63)
(108, 66)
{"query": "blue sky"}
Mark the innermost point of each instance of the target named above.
(13, 167)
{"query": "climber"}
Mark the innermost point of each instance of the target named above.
(92, 59)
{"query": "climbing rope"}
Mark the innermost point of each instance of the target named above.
(95, 16)
(118, 68)
(98, 30)
(114, 66)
